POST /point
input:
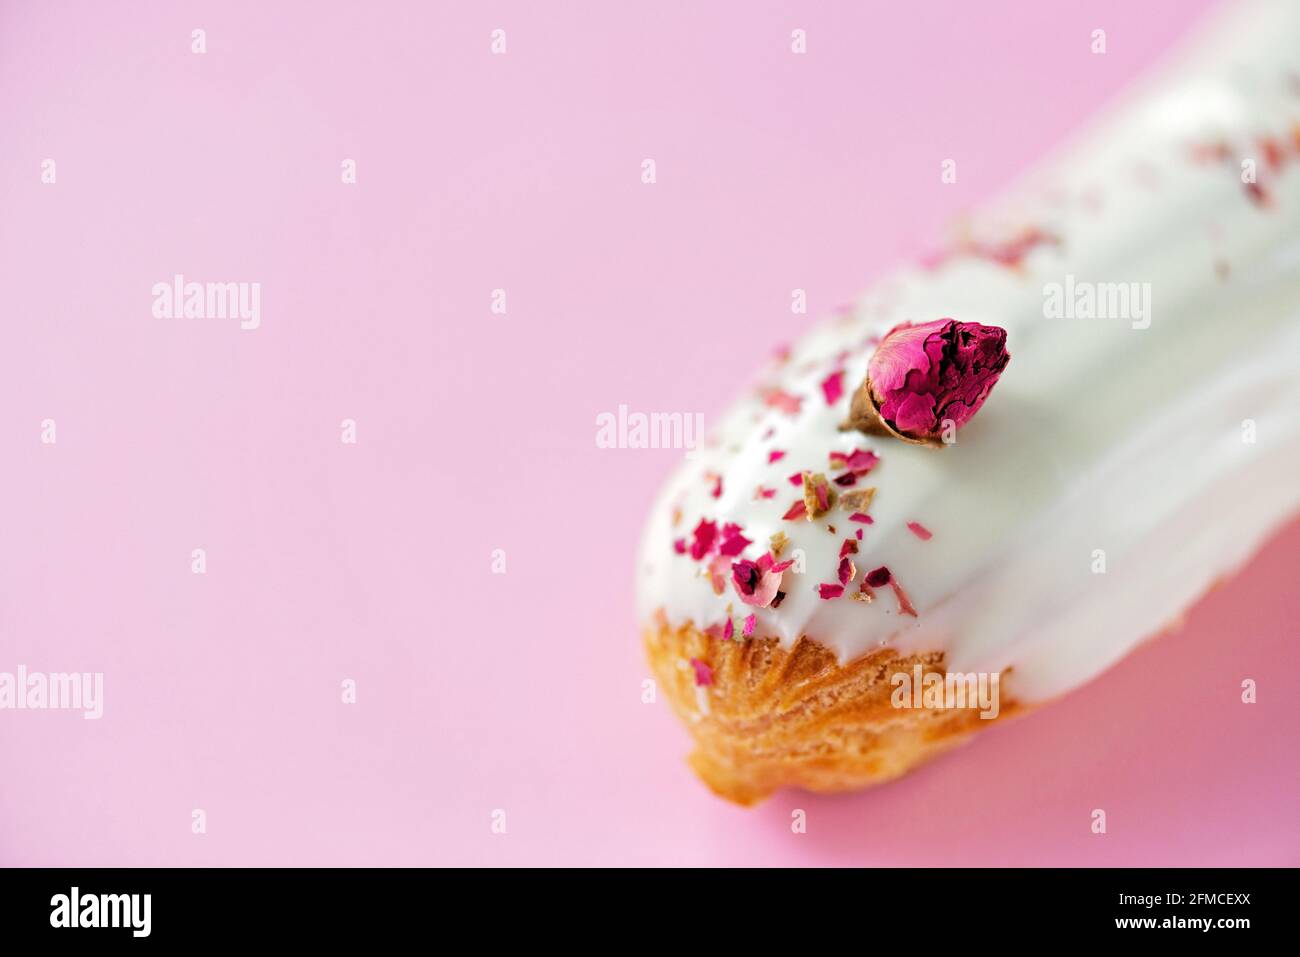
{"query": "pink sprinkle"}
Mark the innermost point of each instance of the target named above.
(718, 569)
(862, 460)
(762, 492)
(858, 463)
(833, 387)
(733, 543)
(862, 517)
(717, 486)
(828, 592)
(847, 479)
(781, 400)
(796, 479)
(679, 546)
(846, 570)
(1259, 195)
(859, 534)
(703, 673)
(728, 629)
(775, 455)
(758, 583)
(920, 531)
(705, 534)
(878, 577)
(904, 604)
(798, 510)
(823, 497)
(750, 622)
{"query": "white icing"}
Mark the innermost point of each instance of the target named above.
(1099, 435)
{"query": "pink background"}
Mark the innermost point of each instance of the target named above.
(476, 431)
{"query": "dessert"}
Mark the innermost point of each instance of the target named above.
(1142, 441)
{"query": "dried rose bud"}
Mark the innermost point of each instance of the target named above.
(923, 375)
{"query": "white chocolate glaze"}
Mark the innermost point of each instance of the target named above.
(1099, 436)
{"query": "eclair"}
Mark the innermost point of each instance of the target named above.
(1002, 468)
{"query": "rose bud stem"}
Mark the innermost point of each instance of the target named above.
(865, 417)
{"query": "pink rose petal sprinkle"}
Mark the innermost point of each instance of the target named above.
(882, 576)
(859, 461)
(703, 673)
(920, 531)
(796, 479)
(904, 604)
(862, 517)
(863, 460)
(847, 571)
(718, 569)
(705, 535)
(833, 386)
(757, 583)
(823, 497)
(878, 577)
(733, 543)
(775, 455)
(797, 510)
(781, 400)
(708, 540)
(828, 592)
(751, 620)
